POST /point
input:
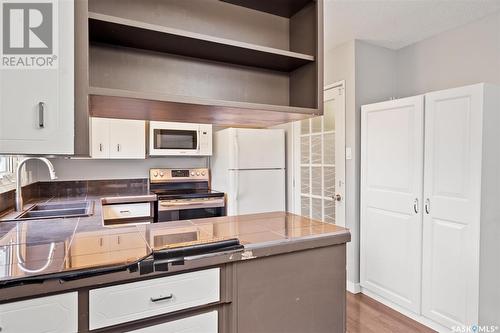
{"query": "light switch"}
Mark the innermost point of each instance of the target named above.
(348, 153)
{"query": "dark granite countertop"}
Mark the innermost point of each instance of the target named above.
(51, 248)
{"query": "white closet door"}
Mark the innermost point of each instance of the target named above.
(391, 192)
(452, 192)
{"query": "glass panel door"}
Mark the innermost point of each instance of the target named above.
(320, 185)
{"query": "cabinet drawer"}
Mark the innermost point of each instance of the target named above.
(132, 301)
(203, 323)
(126, 211)
(54, 314)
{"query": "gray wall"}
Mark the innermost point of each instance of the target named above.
(78, 169)
(369, 74)
(340, 65)
(375, 80)
(466, 55)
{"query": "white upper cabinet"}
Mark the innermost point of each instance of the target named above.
(118, 138)
(391, 178)
(37, 98)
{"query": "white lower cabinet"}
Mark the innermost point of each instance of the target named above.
(203, 323)
(52, 314)
(429, 205)
(132, 301)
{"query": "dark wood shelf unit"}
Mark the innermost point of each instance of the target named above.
(285, 8)
(130, 33)
(225, 62)
(125, 104)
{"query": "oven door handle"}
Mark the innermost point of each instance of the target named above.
(214, 203)
(172, 204)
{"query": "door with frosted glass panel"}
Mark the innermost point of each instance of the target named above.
(322, 146)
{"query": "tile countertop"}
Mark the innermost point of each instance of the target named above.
(48, 248)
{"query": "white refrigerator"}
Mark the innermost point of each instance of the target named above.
(249, 166)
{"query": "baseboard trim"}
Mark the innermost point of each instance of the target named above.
(353, 287)
(418, 318)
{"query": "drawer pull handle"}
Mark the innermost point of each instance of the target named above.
(161, 298)
(125, 211)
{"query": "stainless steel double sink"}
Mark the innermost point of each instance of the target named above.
(58, 210)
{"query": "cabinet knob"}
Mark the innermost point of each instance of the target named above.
(337, 197)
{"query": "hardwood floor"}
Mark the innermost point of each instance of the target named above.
(365, 315)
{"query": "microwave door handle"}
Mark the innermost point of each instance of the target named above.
(198, 137)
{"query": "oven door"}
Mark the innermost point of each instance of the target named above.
(174, 139)
(189, 209)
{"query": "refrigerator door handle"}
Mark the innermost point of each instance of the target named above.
(236, 151)
(236, 192)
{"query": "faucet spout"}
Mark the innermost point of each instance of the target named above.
(19, 195)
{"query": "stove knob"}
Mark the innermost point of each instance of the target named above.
(155, 174)
(203, 173)
(161, 174)
(192, 173)
(197, 173)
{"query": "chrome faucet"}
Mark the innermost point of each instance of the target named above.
(19, 195)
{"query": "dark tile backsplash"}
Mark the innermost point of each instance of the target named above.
(92, 187)
(7, 199)
(75, 188)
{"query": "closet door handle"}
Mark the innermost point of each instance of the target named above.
(100, 147)
(415, 205)
(118, 147)
(427, 206)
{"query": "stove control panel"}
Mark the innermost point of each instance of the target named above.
(178, 175)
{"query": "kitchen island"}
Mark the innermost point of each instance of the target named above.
(289, 275)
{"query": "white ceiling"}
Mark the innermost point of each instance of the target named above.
(398, 23)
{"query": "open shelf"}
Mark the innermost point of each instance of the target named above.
(126, 104)
(129, 33)
(285, 8)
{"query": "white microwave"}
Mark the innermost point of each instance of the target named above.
(186, 139)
